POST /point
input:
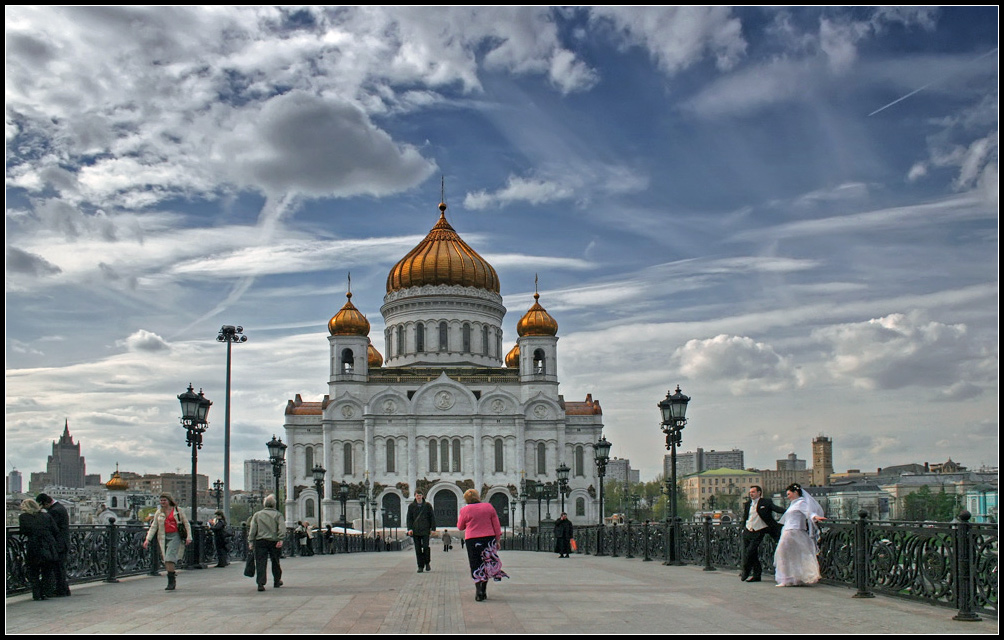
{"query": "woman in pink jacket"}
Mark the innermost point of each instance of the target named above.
(482, 532)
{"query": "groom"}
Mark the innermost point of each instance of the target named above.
(758, 521)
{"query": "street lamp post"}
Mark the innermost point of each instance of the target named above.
(194, 409)
(318, 472)
(563, 472)
(218, 493)
(674, 419)
(277, 456)
(229, 334)
(343, 497)
(602, 449)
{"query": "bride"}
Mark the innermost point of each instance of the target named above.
(795, 557)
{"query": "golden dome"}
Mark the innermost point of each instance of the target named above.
(373, 356)
(116, 483)
(349, 321)
(536, 321)
(442, 258)
(512, 358)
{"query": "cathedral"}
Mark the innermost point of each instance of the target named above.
(447, 410)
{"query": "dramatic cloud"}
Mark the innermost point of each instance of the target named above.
(745, 365)
(144, 340)
(19, 261)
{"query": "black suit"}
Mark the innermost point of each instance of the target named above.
(62, 520)
(752, 566)
(420, 521)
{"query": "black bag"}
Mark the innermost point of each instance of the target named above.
(249, 567)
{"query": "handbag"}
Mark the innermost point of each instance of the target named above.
(574, 545)
(249, 566)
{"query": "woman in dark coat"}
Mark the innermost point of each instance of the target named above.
(220, 535)
(41, 553)
(563, 536)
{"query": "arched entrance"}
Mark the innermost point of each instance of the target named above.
(392, 510)
(444, 504)
(501, 503)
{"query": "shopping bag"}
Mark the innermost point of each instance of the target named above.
(249, 567)
(575, 546)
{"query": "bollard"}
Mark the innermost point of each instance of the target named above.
(647, 557)
(964, 561)
(707, 544)
(862, 556)
(113, 544)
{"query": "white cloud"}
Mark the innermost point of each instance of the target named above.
(744, 365)
(144, 341)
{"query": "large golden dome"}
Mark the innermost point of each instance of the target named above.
(442, 258)
(349, 321)
(536, 321)
(116, 483)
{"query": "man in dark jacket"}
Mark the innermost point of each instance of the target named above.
(421, 521)
(758, 521)
(62, 520)
(563, 536)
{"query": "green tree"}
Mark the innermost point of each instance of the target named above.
(923, 504)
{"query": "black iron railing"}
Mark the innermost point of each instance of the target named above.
(109, 552)
(948, 564)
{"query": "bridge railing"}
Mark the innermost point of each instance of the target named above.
(947, 564)
(109, 552)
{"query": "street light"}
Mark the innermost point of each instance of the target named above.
(343, 497)
(218, 493)
(674, 419)
(602, 450)
(319, 472)
(277, 456)
(194, 409)
(563, 472)
(229, 334)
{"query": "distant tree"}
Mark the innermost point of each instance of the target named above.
(923, 504)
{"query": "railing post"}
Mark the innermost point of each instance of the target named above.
(707, 544)
(647, 558)
(862, 556)
(628, 554)
(613, 541)
(113, 543)
(154, 549)
(963, 560)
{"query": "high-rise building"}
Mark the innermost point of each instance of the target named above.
(791, 463)
(701, 460)
(619, 470)
(258, 476)
(14, 482)
(65, 467)
(822, 460)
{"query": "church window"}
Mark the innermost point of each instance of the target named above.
(347, 459)
(541, 459)
(400, 340)
(308, 461)
(348, 361)
(390, 456)
(484, 340)
(579, 461)
(499, 456)
(444, 342)
(308, 506)
(467, 338)
(456, 455)
(115, 502)
(444, 455)
(538, 361)
(580, 506)
(498, 344)
(433, 450)
(419, 337)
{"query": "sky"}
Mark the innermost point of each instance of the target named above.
(789, 212)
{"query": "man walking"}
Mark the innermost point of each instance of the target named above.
(265, 538)
(421, 521)
(758, 521)
(62, 519)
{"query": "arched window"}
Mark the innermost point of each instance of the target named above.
(484, 340)
(348, 361)
(580, 506)
(115, 502)
(498, 344)
(308, 461)
(444, 455)
(467, 338)
(400, 340)
(456, 455)
(444, 340)
(390, 455)
(579, 461)
(538, 361)
(433, 450)
(308, 508)
(347, 459)
(419, 337)
(541, 459)
(499, 456)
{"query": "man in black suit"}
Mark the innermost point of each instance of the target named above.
(758, 521)
(421, 521)
(62, 519)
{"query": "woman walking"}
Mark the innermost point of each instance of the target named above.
(482, 532)
(41, 553)
(795, 561)
(171, 527)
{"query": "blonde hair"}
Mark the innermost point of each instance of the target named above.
(30, 506)
(472, 496)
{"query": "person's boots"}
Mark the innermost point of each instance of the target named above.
(172, 580)
(484, 590)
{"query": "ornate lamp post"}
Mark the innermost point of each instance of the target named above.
(522, 511)
(277, 456)
(218, 492)
(231, 335)
(362, 518)
(674, 419)
(319, 472)
(602, 450)
(194, 409)
(373, 514)
(343, 497)
(563, 472)
(635, 499)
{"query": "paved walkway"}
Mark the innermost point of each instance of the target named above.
(382, 593)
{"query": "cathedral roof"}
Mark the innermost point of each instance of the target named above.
(297, 407)
(116, 483)
(349, 321)
(537, 321)
(588, 408)
(373, 357)
(442, 258)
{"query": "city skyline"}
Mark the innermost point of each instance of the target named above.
(791, 213)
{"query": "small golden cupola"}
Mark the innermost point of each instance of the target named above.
(442, 258)
(349, 321)
(373, 357)
(512, 358)
(116, 483)
(536, 321)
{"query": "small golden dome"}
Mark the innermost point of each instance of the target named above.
(512, 358)
(536, 321)
(373, 356)
(116, 483)
(349, 321)
(442, 258)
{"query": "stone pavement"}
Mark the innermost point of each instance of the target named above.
(382, 593)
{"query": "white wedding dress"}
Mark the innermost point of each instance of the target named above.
(795, 557)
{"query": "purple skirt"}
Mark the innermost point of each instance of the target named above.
(483, 555)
